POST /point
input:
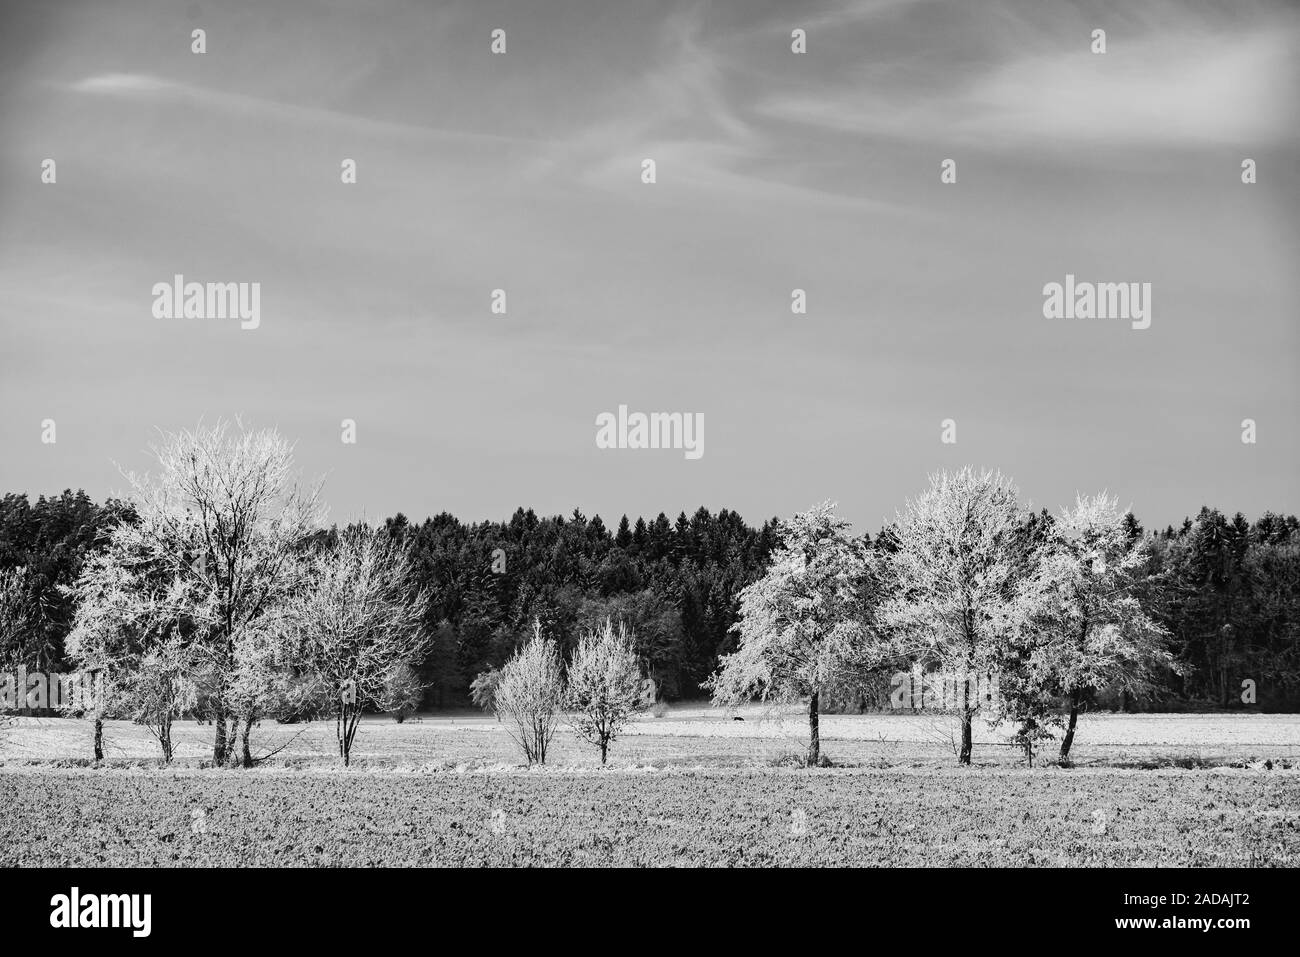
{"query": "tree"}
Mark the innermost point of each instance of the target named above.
(951, 579)
(604, 684)
(265, 679)
(804, 626)
(656, 629)
(361, 616)
(1026, 690)
(49, 540)
(402, 691)
(226, 519)
(18, 618)
(439, 669)
(623, 537)
(156, 690)
(1024, 694)
(137, 657)
(483, 690)
(130, 615)
(1087, 627)
(530, 695)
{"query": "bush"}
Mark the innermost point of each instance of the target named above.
(604, 685)
(792, 760)
(530, 696)
(483, 689)
(402, 691)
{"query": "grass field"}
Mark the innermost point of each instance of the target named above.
(690, 736)
(691, 788)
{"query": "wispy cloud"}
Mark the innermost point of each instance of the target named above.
(680, 100)
(691, 113)
(1196, 85)
(775, 171)
(149, 89)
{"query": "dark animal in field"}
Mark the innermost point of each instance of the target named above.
(736, 717)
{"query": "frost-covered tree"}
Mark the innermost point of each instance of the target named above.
(402, 691)
(483, 689)
(130, 627)
(605, 686)
(1084, 623)
(360, 617)
(804, 626)
(265, 680)
(952, 578)
(133, 656)
(156, 690)
(1026, 690)
(529, 697)
(221, 524)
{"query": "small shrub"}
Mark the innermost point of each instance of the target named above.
(530, 696)
(604, 685)
(402, 691)
(483, 689)
(791, 760)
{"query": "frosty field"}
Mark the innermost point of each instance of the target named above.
(736, 817)
(692, 788)
(689, 736)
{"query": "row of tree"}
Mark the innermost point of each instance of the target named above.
(216, 593)
(599, 690)
(676, 584)
(968, 583)
(197, 572)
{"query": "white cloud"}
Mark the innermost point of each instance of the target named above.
(1169, 90)
(154, 88)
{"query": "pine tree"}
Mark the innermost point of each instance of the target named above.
(623, 537)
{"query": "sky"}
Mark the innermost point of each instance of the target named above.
(522, 171)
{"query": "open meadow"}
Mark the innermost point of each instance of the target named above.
(694, 787)
(688, 735)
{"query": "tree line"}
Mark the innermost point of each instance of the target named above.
(203, 574)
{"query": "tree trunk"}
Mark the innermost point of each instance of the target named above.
(232, 735)
(219, 744)
(243, 740)
(966, 721)
(604, 749)
(99, 739)
(1069, 728)
(165, 737)
(346, 725)
(814, 736)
